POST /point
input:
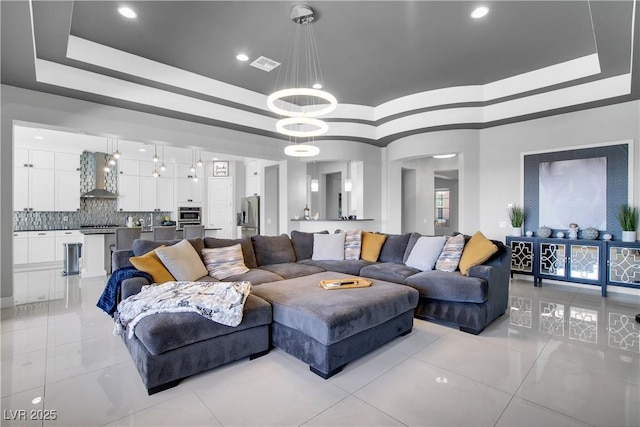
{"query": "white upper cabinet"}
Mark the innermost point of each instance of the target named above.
(67, 182)
(34, 177)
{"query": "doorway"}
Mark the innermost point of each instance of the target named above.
(333, 182)
(445, 203)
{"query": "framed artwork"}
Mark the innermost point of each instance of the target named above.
(584, 186)
(221, 168)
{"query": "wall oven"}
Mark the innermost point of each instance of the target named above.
(189, 215)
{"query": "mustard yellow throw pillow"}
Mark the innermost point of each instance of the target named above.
(151, 264)
(371, 245)
(476, 251)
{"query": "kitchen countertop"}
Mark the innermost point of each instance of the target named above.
(112, 231)
(333, 220)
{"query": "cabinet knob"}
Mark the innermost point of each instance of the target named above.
(42, 234)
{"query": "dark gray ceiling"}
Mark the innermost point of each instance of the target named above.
(370, 51)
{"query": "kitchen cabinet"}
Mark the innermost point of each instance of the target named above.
(41, 246)
(34, 180)
(189, 191)
(140, 191)
(128, 193)
(21, 247)
(65, 236)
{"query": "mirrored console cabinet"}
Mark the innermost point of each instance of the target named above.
(592, 262)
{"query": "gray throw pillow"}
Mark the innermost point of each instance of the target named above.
(425, 252)
(328, 247)
(182, 261)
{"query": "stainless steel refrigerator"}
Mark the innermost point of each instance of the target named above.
(250, 216)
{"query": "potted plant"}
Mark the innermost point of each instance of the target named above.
(516, 216)
(628, 219)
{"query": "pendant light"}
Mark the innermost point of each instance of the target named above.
(315, 185)
(162, 166)
(106, 167)
(112, 160)
(300, 100)
(200, 163)
(156, 159)
(192, 169)
(116, 154)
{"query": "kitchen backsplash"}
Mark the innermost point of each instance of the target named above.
(92, 211)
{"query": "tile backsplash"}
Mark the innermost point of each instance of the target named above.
(92, 211)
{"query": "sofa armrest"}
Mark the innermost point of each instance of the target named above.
(497, 275)
(120, 259)
(132, 286)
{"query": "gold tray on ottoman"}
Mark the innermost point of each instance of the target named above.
(356, 282)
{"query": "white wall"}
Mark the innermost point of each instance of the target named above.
(501, 148)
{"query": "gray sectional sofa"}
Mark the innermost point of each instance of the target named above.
(163, 356)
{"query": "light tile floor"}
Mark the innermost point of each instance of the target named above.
(560, 356)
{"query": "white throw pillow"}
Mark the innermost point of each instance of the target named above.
(328, 247)
(224, 262)
(182, 261)
(425, 253)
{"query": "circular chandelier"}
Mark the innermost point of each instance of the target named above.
(300, 100)
(301, 150)
(305, 127)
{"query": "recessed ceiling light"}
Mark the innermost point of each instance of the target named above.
(127, 12)
(39, 137)
(317, 86)
(215, 158)
(444, 156)
(242, 57)
(141, 150)
(479, 12)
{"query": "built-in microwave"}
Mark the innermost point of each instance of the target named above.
(189, 215)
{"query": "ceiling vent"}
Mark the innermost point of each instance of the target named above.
(265, 64)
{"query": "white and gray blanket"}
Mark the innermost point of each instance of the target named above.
(221, 302)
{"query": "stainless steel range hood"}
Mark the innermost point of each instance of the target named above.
(99, 192)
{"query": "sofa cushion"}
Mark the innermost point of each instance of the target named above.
(273, 249)
(394, 247)
(160, 333)
(371, 245)
(346, 266)
(352, 244)
(303, 243)
(388, 271)
(141, 246)
(290, 270)
(425, 252)
(150, 263)
(449, 286)
(247, 248)
(476, 251)
(328, 247)
(450, 256)
(182, 261)
(256, 276)
(224, 262)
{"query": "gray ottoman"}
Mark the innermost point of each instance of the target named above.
(168, 347)
(329, 328)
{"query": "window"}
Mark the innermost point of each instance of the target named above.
(441, 204)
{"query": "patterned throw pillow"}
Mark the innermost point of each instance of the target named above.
(352, 244)
(224, 262)
(450, 256)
